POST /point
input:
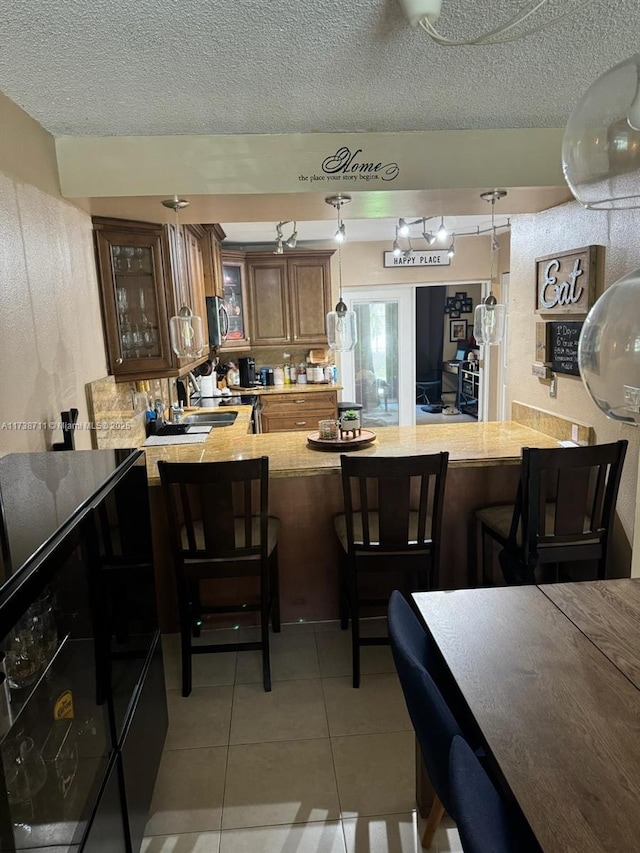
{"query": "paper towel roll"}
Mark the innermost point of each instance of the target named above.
(207, 386)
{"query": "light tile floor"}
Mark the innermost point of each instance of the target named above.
(314, 766)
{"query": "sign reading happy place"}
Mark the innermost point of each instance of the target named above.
(417, 259)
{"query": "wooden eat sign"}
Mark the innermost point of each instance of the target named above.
(566, 282)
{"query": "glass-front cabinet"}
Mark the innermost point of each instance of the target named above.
(234, 300)
(133, 271)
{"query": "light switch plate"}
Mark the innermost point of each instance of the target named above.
(574, 432)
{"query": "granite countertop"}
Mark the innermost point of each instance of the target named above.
(309, 388)
(492, 443)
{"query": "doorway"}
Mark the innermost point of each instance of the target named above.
(379, 374)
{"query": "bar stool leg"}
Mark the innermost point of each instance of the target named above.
(265, 606)
(355, 627)
(275, 590)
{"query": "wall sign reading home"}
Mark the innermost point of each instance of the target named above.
(566, 281)
(348, 164)
(415, 258)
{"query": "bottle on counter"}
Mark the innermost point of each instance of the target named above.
(328, 373)
(301, 378)
(293, 374)
(335, 374)
(287, 368)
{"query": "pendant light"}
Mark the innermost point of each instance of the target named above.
(601, 164)
(185, 328)
(489, 317)
(341, 323)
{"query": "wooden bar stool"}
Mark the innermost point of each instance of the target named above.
(563, 512)
(392, 523)
(220, 530)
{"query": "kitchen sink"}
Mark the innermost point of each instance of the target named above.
(214, 419)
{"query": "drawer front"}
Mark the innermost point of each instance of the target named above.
(307, 420)
(285, 404)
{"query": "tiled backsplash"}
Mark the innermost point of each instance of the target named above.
(118, 411)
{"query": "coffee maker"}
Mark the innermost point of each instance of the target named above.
(247, 368)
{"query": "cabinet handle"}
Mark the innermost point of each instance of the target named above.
(119, 361)
(299, 401)
(301, 423)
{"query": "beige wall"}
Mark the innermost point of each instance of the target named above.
(562, 228)
(51, 340)
(362, 265)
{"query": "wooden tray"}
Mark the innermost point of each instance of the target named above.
(340, 444)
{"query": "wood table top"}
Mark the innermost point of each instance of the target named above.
(560, 719)
(608, 613)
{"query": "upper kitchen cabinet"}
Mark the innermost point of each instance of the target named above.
(212, 256)
(132, 266)
(140, 290)
(234, 296)
(289, 298)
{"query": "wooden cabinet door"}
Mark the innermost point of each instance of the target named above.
(132, 264)
(212, 256)
(269, 308)
(310, 298)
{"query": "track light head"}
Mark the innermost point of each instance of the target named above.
(403, 228)
(442, 233)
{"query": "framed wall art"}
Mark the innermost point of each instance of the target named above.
(457, 330)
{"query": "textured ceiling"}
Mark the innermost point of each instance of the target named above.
(250, 66)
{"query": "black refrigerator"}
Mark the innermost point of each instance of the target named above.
(82, 700)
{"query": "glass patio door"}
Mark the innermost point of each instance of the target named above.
(379, 373)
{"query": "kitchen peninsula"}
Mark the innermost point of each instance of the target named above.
(306, 492)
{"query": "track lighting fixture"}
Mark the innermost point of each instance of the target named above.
(452, 248)
(403, 228)
(442, 232)
(290, 242)
(338, 201)
(429, 236)
(397, 251)
(426, 13)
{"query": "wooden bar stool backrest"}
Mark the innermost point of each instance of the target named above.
(567, 500)
(218, 513)
(394, 504)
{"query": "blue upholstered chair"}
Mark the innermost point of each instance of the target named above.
(485, 823)
(433, 722)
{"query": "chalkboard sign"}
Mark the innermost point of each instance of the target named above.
(564, 347)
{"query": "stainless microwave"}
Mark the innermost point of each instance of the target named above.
(218, 320)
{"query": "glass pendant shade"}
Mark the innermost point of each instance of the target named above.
(601, 145)
(341, 328)
(609, 350)
(488, 322)
(185, 329)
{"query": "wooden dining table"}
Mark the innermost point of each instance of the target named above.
(551, 675)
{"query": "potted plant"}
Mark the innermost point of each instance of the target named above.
(350, 423)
